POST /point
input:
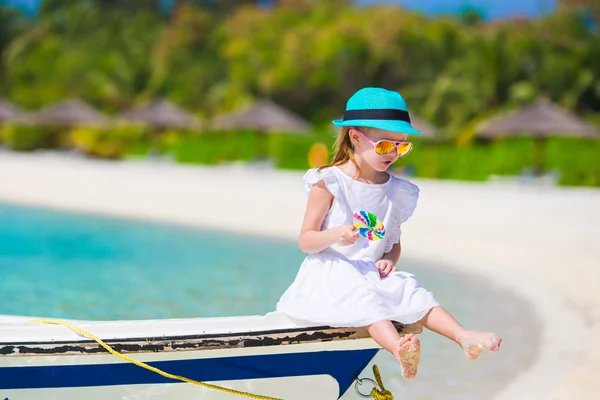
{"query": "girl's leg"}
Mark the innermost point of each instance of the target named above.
(441, 322)
(406, 349)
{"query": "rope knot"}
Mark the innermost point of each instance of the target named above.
(379, 392)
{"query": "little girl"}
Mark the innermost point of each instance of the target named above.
(351, 231)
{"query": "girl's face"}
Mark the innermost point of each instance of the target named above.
(365, 150)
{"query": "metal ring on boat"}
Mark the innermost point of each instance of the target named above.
(359, 381)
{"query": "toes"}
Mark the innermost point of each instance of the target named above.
(403, 340)
(497, 343)
(473, 346)
(493, 342)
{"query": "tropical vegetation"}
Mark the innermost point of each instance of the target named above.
(308, 56)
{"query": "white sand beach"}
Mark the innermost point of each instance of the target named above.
(541, 243)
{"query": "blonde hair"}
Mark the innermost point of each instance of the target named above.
(343, 150)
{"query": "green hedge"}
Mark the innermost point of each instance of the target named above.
(577, 160)
(110, 142)
(22, 137)
(291, 152)
(473, 162)
(211, 148)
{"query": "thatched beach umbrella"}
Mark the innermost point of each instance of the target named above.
(540, 120)
(264, 116)
(8, 111)
(65, 113)
(161, 114)
(430, 132)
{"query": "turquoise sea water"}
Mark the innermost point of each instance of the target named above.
(87, 267)
(61, 265)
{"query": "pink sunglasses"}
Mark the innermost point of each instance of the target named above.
(387, 146)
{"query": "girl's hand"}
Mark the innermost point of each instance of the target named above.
(346, 235)
(385, 267)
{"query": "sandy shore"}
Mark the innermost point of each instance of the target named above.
(541, 243)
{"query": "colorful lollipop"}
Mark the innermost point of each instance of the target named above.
(368, 225)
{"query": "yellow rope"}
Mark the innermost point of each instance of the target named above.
(382, 394)
(148, 367)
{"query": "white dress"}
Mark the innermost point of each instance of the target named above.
(340, 286)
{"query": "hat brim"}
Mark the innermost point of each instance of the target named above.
(386, 125)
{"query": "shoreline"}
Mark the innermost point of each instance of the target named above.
(538, 243)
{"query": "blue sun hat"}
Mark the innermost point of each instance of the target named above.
(377, 108)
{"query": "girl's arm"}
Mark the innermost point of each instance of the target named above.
(387, 264)
(394, 254)
(312, 239)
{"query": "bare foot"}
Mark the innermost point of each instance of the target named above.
(474, 342)
(409, 355)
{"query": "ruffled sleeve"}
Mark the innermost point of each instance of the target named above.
(405, 202)
(326, 175)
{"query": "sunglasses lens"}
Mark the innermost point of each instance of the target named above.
(384, 147)
(404, 148)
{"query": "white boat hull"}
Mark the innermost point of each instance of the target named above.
(271, 356)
